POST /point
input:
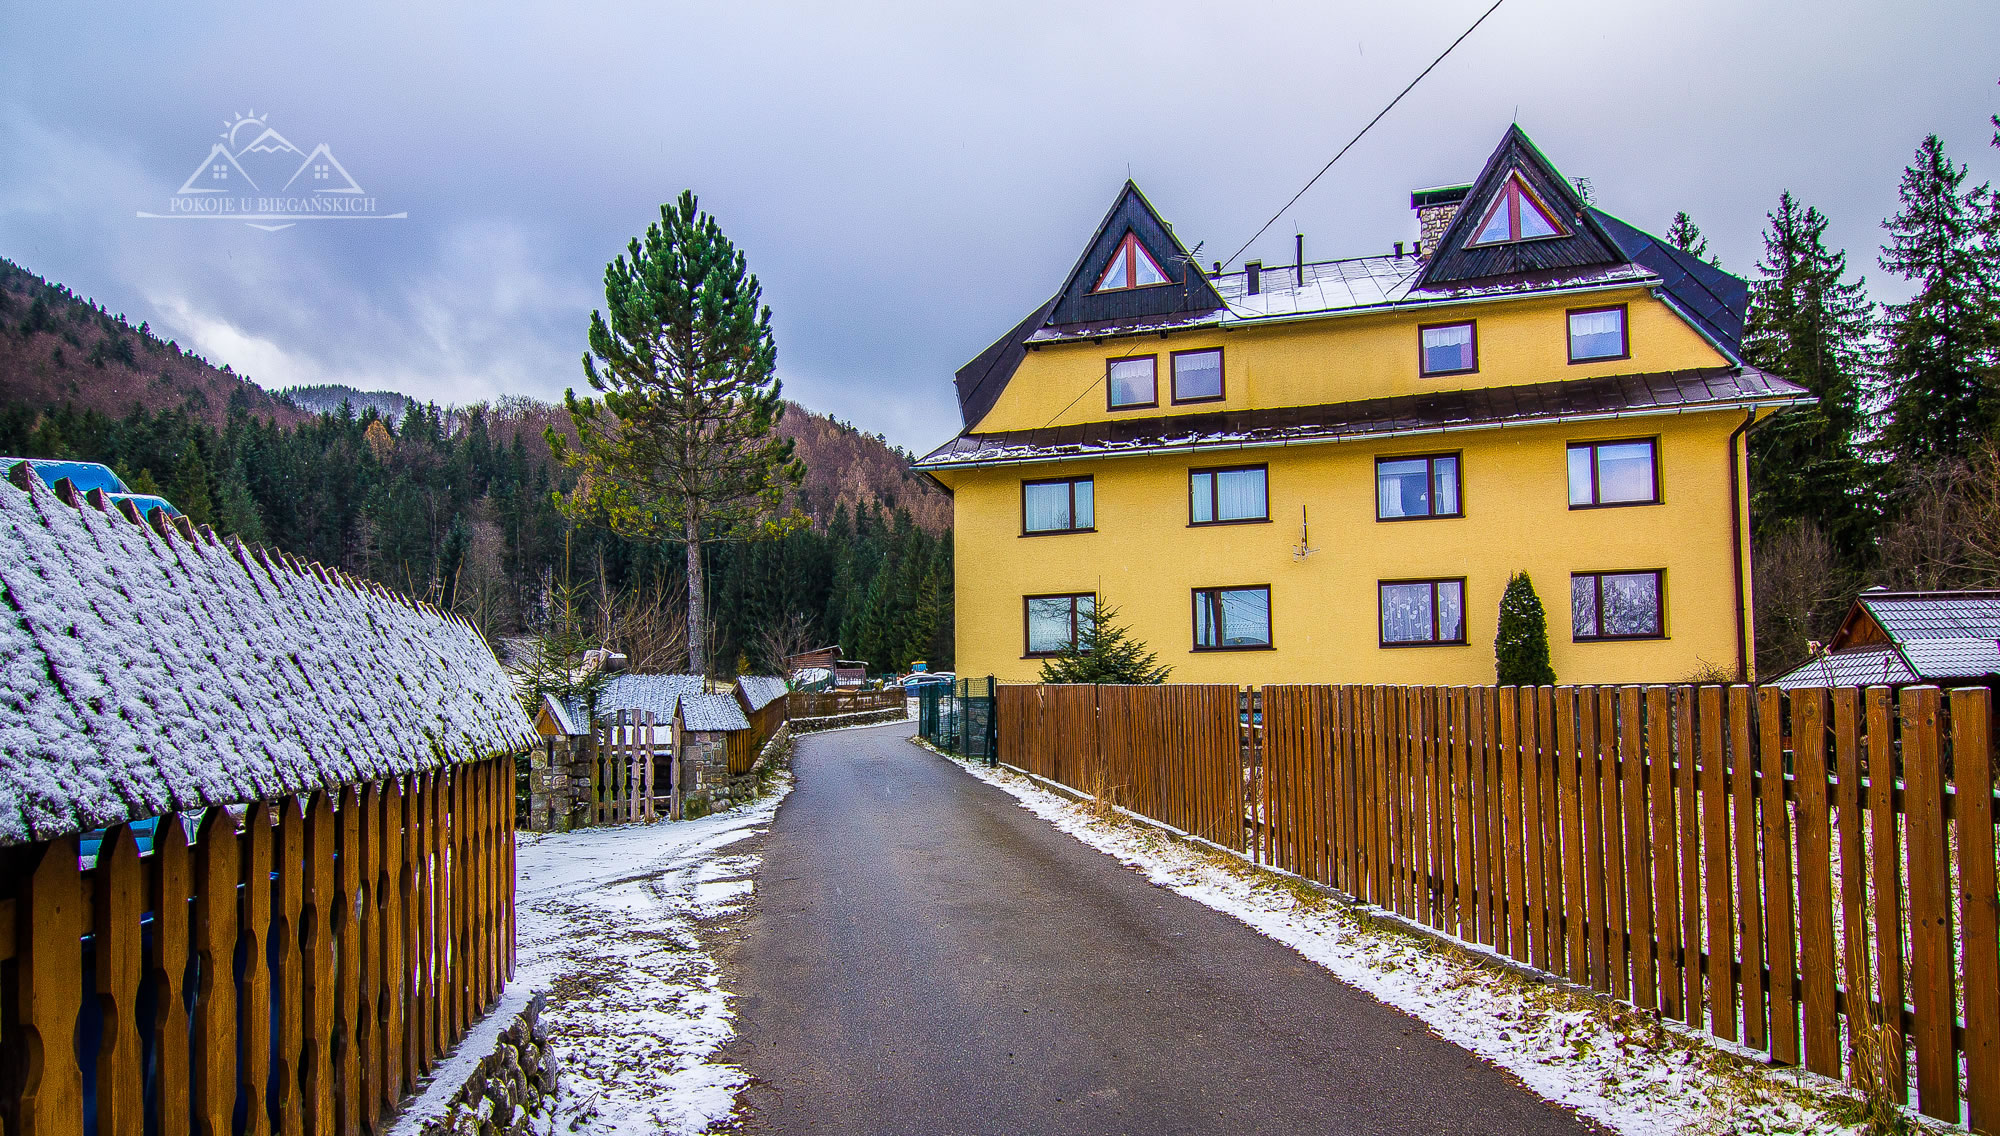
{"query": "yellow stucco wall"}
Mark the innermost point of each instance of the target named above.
(1146, 559)
(1343, 358)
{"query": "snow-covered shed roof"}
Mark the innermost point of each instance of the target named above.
(564, 716)
(1894, 638)
(706, 712)
(654, 692)
(760, 691)
(151, 667)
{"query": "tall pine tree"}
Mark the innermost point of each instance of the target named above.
(1810, 324)
(1686, 236)
(683, 446)
(1942, 342)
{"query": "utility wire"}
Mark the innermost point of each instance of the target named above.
(1364, 130)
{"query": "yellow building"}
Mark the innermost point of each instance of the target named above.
(1328, 472)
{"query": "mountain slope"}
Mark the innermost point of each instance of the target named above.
(57, 347)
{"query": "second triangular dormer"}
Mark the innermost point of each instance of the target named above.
(1520, 216)
(1133, 267)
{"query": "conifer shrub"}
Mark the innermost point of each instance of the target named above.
(1521, 649)
(1105, 653)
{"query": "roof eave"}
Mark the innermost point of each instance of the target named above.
(1771, 402)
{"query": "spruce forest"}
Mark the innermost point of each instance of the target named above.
(460, 505)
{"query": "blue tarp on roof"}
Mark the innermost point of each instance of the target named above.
(86, 476)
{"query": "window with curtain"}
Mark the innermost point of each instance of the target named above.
(1198, 375)
(1068, 505)
(1617, 605)
(1516, 214)
(1597, 333)
(1448, 349)
(1053, 621)
(1422, 611)
(1132, 381)
(1614, 473)
(1227, 496)
(1416, 487)
(1232, 618)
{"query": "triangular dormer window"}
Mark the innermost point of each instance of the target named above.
(1131, 267)
(1516, 214)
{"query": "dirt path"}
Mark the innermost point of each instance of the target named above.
(926, 957)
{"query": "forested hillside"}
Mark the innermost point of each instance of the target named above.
(460, 505)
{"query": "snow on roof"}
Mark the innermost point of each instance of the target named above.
(712, 712)
(654, 692)
(1877, 665)
(153, 669)
(760, 691)
(567, 717)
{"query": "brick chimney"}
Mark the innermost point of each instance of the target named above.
(1435, 209)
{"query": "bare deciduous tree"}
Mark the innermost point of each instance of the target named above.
(1802, 590)
(782, 639)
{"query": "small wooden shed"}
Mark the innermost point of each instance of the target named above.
(713, 738)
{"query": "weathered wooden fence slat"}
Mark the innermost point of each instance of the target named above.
(1728, 856)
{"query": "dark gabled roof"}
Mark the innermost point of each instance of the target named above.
(1188, 292)
(1709, 388)
(1188, 297)
(1586, 243)
(1708, 297)
(981, 381)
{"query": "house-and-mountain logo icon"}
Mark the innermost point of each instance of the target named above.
(256, 175)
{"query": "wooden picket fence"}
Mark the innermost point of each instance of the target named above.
(826, 703)
(366, 931)
(1167, 752)
(1795, 872)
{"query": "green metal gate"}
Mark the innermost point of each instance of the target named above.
(960, 718)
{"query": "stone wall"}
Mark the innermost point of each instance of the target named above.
(836, 721)
(510, 1092)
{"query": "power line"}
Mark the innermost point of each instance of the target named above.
(1364, 130)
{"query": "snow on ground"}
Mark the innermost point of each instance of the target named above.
(613, 922)
(1625, 1069)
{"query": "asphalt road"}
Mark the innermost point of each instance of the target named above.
(925, 956)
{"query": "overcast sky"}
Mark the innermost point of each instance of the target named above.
(907, 180)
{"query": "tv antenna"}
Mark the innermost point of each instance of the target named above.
(1305, 547)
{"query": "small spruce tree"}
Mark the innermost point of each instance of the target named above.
(1686, 236)
(1105, 653)
(1521, 649)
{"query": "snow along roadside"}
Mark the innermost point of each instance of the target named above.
(1625, 1069)
(613, 922)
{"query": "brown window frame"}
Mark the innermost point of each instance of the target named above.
(1173, 376)
(1659, 604)
(1215, 495)
(1027, 632)
(1596, 489)
(1197, 596)
(1505, 200)
(1071, 482)
(1126, 248)
(1108, 388)
(1624, 329)
(1425, 372)
(1430, 474)
(1383, 640)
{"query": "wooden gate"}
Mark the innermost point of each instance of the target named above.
(627, 743)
